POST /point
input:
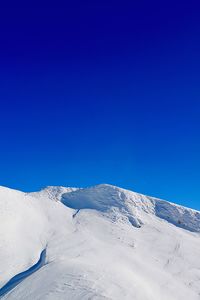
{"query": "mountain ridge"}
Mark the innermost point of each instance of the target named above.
(101, 242)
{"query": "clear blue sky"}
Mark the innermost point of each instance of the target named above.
(102, 92)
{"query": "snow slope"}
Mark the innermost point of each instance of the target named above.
(102, 242)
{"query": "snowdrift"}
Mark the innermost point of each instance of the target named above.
(101, 242)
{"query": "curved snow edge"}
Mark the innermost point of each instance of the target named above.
(14, 281)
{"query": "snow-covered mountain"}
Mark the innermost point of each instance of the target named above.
(101, 242)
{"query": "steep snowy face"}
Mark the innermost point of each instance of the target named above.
(118, 203)
(106, 198)
(178, 215)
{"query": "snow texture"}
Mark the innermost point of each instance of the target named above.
(101, 242)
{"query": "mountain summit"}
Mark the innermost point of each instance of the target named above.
(101, 242)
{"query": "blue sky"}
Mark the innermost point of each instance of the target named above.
(102, 92)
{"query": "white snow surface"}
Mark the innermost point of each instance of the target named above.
(101, 242)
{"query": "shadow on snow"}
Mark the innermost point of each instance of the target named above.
(13, 282)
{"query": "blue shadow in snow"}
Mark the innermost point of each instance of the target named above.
(13, 282)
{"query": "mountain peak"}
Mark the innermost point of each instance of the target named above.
(134, 240)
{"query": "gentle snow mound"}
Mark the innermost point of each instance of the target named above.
(23, 232)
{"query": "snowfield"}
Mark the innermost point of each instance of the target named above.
(101, 242)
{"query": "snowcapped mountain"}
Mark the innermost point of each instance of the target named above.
(101, 242)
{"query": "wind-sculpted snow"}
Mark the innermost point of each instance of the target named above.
(102, 242)
(103, 198)
(178, 215)
(106, 197)
(53, 192)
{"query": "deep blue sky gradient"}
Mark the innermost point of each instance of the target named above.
(102, 92)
